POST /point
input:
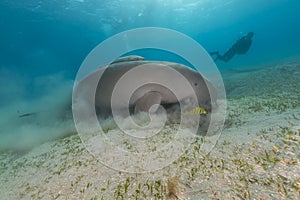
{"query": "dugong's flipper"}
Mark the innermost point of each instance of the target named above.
(149, 99)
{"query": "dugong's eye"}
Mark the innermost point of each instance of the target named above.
(195, 84)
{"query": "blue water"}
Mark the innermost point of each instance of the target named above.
(41, 37)
(43, 42)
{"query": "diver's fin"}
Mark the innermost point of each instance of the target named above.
(149, 99)
(215, 53)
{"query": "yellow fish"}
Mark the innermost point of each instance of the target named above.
(197, 111)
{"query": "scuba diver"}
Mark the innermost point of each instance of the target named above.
(240, 47)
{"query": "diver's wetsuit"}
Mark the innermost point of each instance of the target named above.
(240, 47)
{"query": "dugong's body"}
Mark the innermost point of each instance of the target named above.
(149, 94)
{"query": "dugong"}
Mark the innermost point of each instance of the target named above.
(149, 94)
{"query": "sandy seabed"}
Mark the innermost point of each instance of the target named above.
(256, 157)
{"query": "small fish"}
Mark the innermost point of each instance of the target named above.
(27, 115)
(197, 111)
